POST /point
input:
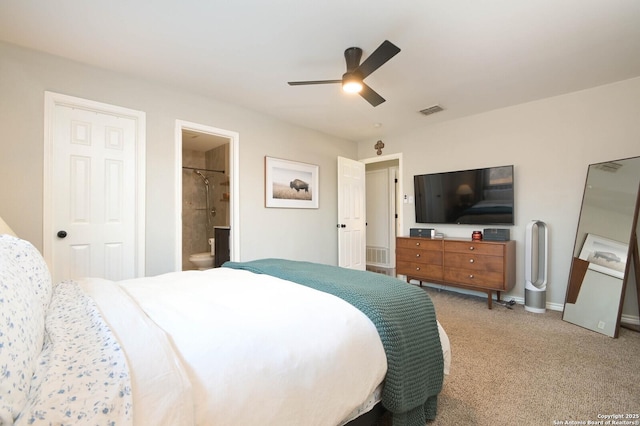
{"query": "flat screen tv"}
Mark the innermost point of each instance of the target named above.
(478, 197)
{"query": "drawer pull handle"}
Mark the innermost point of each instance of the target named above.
(471, 276)
(471, 260)
(418, 244)
(418, 255)
(417, 268)
(472, 248)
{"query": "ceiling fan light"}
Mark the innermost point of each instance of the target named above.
(352, 86)
(351, 83)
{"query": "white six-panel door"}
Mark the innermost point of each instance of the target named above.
(351, 214)
(92, 225)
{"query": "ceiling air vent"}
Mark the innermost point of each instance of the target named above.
(431, 110)
(609, 167)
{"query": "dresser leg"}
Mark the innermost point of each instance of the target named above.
(489, 300)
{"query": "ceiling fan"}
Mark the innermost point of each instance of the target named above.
(352, 80)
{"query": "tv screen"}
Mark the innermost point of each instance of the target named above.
(479, 196)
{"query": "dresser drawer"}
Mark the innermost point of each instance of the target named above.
(421, 243)
(419, 255)
(417, 270)
(474, 262)
(474, 247)
(494, 280)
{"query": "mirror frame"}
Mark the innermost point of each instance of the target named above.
(634, 252)
(579, 267)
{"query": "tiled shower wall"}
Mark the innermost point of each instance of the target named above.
(195, 234)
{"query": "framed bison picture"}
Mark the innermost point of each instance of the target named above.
(290, 184)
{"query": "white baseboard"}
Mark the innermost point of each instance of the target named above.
(555, 306)
(519, 300)
(625, 318)
(630, 319)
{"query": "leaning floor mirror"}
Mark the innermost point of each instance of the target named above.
(604, 278)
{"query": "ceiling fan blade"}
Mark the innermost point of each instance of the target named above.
(304, 83)
(382, 54)
(371, 95)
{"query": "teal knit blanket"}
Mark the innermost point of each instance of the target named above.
(406, 321)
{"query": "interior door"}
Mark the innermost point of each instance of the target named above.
(92, 214)
(351, 214)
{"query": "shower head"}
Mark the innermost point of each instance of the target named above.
(204, 178)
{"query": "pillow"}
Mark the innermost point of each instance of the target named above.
(25, 293)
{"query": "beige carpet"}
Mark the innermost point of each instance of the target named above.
(512, 367)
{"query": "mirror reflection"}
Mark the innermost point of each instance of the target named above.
(607, 223)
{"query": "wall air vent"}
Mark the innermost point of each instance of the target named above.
(432, 110)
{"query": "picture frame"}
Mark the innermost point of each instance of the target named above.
(605, 255)
(291, 184)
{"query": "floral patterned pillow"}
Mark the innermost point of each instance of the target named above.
(25, 293)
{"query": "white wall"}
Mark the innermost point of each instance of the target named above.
(292, 233)
(550, 142)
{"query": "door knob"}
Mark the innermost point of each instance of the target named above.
(61, 234)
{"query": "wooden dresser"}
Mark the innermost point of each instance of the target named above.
(476, 265)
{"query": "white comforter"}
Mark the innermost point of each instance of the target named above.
(244, 349)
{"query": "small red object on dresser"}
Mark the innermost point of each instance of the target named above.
(476, 235)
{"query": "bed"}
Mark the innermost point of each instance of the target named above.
(263, 342)
(496, 206)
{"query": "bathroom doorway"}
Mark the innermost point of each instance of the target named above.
(207, 199)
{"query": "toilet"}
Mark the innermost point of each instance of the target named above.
(204, 260)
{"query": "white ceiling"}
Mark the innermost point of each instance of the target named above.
(468, 56)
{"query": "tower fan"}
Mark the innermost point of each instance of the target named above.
(535, 267)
